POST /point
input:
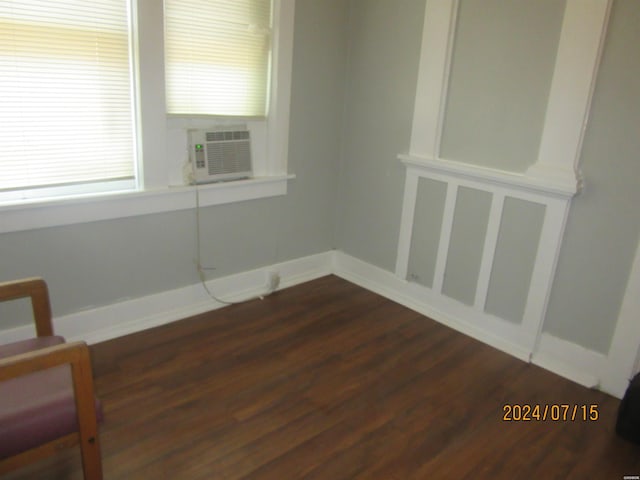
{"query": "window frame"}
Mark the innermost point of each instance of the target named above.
(159, 186)
(82, 60)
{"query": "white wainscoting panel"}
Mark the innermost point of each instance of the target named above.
(500, 185)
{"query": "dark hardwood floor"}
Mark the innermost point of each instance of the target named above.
(329, 381)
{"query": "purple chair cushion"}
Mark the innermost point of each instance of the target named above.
(39, 407)
(29, 345)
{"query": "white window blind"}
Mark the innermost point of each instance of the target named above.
(65, 94)
(217, 56)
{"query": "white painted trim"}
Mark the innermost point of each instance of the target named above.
(104, 323)
(93, 208)
(433, 76)
(156, 170)
(489, 250)
(111, 321)
(280, 88)
(544, 267)
(561, 357)
(499, 185)
(539, 188)
(445, 236)
(622, 362)
(151, 118)
(406, 224)
(579, 51)
(569, 360)
(552, 181)
(484, 327)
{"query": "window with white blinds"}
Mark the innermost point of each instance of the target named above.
(217, 56)
(66, 114)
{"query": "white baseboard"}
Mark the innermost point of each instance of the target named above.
(614, 381)
(583, 366)
(111, 321)
(488, 329)
(570, 360)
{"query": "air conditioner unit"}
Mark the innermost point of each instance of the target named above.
(220, 155)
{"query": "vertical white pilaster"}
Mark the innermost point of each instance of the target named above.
(445, 235)
(406, 223)
(433, 77)
(544, 268)
(579, 51)
(622, 361)
(489, 250)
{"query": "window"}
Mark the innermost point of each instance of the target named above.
(160, 143)
(217, 56)
(66, 122)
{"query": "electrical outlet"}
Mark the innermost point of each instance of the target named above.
(273, 281)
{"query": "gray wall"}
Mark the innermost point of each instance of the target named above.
(502, 63)
(384, 48)
(101, 263)
(604, 222)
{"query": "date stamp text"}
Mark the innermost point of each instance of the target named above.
(553, 412)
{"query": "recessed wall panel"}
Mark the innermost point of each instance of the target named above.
(502, 65)
(514, 259)
(426, 231)
(470, 221)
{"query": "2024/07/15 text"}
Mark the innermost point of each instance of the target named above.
(555, 412)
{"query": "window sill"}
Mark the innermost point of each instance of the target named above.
(69, 211)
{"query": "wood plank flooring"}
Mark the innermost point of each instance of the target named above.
(328, 381)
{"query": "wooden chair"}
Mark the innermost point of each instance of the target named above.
(47, 400)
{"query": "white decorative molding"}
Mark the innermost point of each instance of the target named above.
(552, 181)
(484, 327)
(569, 360)
(69, 211)
(622, 361)
(111, 321)
(445, 235)
(406, 224)
(438, 36)
(492, 176)
(490, 244)
(280, 96)
(270, 142)
(500, 185)
(544, 267)
(582, 36)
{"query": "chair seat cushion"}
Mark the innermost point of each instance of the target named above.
(39, 407)
(29, 345)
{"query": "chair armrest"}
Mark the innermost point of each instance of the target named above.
(75, 354)
(36, 289)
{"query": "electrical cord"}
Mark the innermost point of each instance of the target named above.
(201, 269)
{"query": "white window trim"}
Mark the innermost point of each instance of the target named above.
(92, 208)
(158, 175)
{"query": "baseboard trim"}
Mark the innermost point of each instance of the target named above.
(131, 316)
(570, 360)
(450, 313)
(574, 362)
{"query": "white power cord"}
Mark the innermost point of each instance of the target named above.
(201, 270)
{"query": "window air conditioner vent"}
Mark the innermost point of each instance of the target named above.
(220, 155)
